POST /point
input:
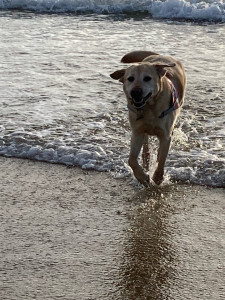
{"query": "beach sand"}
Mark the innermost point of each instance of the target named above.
(73, 234)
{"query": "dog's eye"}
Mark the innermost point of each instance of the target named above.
(147, 78)
(131, 78)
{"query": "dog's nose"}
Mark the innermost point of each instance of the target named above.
(137, 94)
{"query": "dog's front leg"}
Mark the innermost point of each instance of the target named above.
(136, 144)
(145, 154)
(164, 145)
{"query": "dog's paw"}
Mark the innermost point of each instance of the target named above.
(141, 176)
(158, 177)
(145, 181)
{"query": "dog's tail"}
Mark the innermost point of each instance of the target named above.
(136, 56)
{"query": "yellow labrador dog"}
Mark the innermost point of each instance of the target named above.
(154, 86)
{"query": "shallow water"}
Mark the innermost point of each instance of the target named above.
(58, 103)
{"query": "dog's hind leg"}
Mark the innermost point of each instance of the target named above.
(145, 153)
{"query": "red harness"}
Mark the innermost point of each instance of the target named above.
(175, 99)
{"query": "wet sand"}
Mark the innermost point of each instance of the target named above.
(71, 234)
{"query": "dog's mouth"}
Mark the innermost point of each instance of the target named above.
(138, 100)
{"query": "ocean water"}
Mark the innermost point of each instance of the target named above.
(58, 103)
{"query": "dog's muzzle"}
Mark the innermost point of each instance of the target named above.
(137, 97)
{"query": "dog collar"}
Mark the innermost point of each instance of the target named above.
(175, 99)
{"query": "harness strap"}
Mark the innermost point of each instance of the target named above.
(175, 99)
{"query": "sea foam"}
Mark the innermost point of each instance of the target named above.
(207, 10)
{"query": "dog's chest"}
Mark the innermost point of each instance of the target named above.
(148, 124)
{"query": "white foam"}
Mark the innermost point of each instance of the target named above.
(173, 9)
(196, 166)
(194, 10)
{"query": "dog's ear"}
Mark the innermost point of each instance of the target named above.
(118, 75)
(161, 69)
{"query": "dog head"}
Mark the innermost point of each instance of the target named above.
(141, 81)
